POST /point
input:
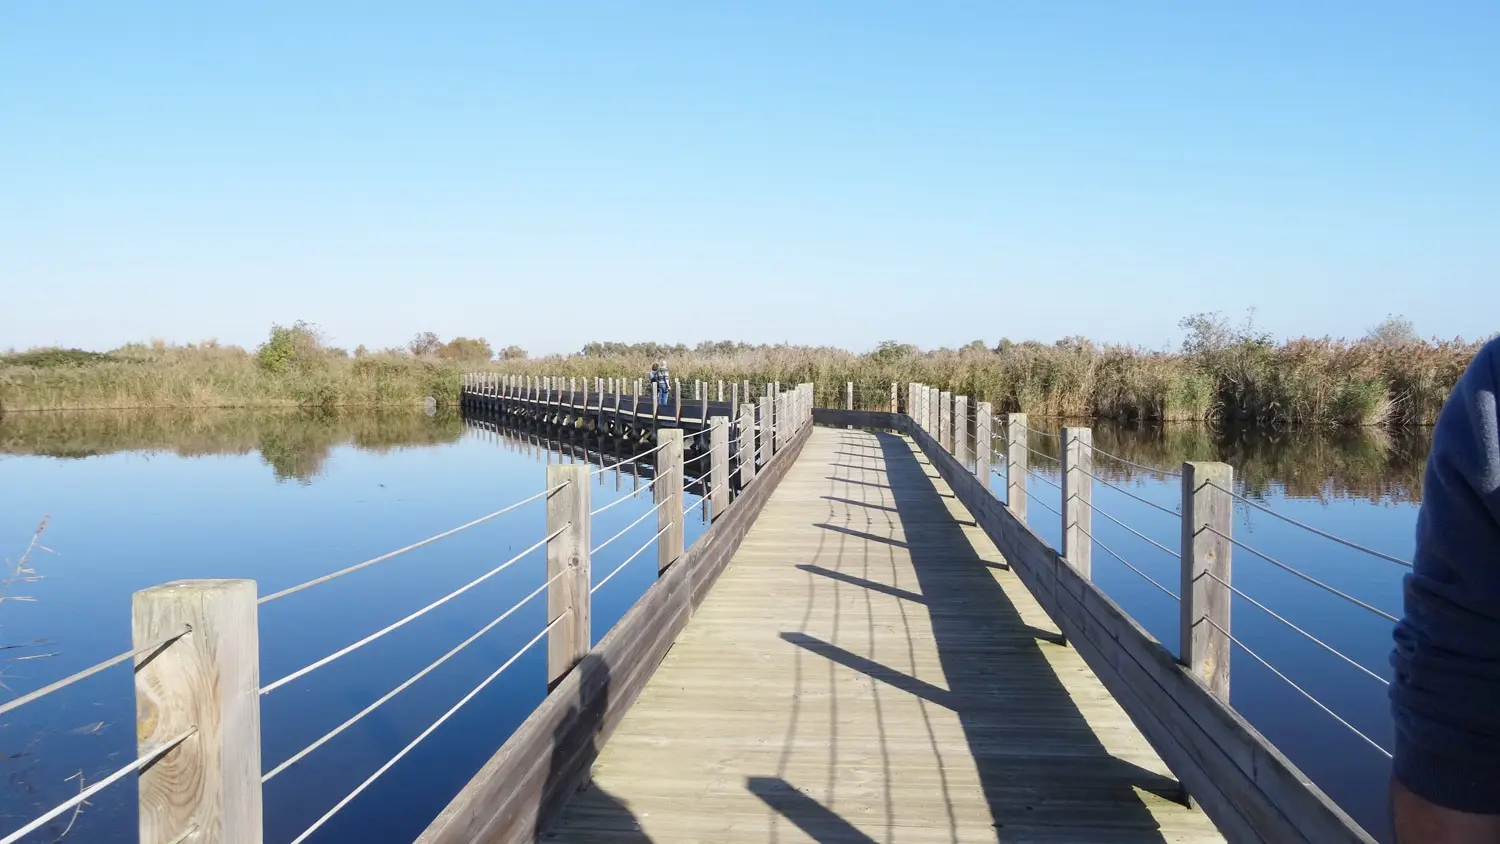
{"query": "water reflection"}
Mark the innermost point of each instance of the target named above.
(1374, 465)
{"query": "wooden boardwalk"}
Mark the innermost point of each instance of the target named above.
(869, 669)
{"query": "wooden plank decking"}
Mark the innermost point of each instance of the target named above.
(868, 669)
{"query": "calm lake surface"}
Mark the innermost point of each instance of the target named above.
(137, 499)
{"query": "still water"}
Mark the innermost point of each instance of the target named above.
(140, 499)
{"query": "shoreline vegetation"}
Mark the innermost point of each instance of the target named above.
(1222, 373)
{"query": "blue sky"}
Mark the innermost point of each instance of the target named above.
(838, 173)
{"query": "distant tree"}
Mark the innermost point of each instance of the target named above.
(512, 353)
(424, 344)
(297, 347)
(976, 347)
(476, 350)
(889, 351)
(1394, 330)
(1005, 345)
(360, 350)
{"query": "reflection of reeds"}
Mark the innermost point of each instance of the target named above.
(294, 443)
(1374, 465)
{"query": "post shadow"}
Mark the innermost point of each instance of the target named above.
(575, 746)
(1040, 764)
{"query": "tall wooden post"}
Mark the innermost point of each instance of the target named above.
(767, 426)
(734, 401)
(703, 408)
(849, 395)
(668, 493)
(961, 429)
(1015, 464)
(677, 402)
(1077, 499)
(567, 555)
(1205, 556)
(208, 680)
(983, 425)
(945, 420)
(747, 444)
(718, 465)
(893, 397)
(721, 389)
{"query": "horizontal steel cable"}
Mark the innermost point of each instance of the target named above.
(622, 499)
(1307, 527)
(267, 689)
(1168, 473)
(1044, 434)
(424, 734)
(652, 450)
(399, 551)
(696, 459)
(1289, 682)
(1134, 531)
(299, 755)
(1307, 577)
(1044, 479)
(597, 586)
(1128, 494)
(1045, 506)
(644, 516)
(1126, 563)
(92, 670)
(1272, 613)
(82, 796)
(1044, 456)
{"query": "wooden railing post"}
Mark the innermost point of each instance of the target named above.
(767, 430)
(677, 403)
(945, 420)
(1015, 464)
(983, 430)
(961, 429)
(567, 555)
(894, 404)
(207, 681)
(1078, 497)
(1206, 555)
(668, 493)
(747, 444)
(718, 465)
(849, 395)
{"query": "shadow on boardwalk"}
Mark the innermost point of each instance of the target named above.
(1043, 771)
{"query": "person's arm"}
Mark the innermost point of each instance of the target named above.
(1445, 698)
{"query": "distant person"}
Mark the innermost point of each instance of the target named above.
(661, 382)
(1445, 699)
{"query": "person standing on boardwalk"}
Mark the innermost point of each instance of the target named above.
(1445, 698)
(661, 381)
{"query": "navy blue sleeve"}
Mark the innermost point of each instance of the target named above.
(1445, 698)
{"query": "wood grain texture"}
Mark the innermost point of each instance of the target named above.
(668, 493)
(547, 758)
(1016, 460)
(1078, 498)
(208, 679)
(1206, 648)
(983, 431)
(718, 470)
(961, 429)
(868, 669)
(568, 556)
(1252, 792)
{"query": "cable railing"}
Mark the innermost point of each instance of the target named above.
(1207, 496)
(212, 621)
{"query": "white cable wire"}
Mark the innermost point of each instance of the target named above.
(1307, 527)
(627, 528)
(1289, 682)
(1170, 474)
(1130, 494)
(142, 761)
(299, 755)
(622, 499)
(1309, 578)
(425, 733)
(267, 689)
(597, 586)
(1126, 563)
(1272, 613)
(658, 447)
(1100, 512)
(1044, 479)
(92, 670)
(383, 557)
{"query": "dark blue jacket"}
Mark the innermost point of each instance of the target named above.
(1446, 695)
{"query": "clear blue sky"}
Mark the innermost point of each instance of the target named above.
(547, 173)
